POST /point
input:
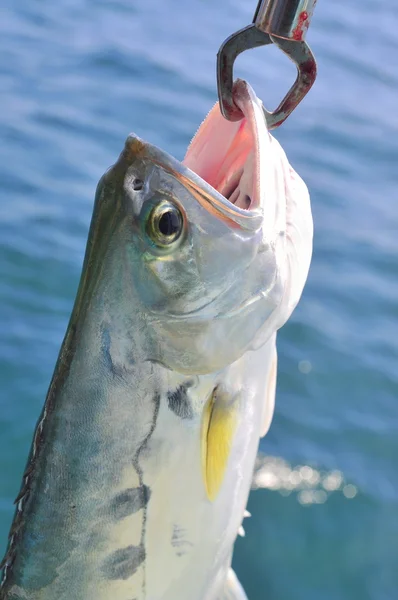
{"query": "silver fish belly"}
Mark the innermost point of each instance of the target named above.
(142, 459)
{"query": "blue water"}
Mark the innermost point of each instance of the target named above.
(75, 77)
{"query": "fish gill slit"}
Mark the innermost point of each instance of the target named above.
(57, 382)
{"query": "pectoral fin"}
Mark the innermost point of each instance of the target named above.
(218, 428)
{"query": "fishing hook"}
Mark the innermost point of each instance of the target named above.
(285, 24)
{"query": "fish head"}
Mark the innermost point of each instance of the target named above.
(218, 247)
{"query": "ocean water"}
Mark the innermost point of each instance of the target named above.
(75, 77)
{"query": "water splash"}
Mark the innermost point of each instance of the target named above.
(312, 486)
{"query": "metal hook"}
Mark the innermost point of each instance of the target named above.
(284, 23)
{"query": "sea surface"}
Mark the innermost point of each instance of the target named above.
(76, 76)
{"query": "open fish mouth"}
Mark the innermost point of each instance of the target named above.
(229, 155)
(226, 167)
(215, 202)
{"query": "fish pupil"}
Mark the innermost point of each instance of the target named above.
(170, 223)
(138, 184)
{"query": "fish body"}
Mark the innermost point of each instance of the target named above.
(142, 459)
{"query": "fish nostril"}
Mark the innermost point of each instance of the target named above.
(138, 184)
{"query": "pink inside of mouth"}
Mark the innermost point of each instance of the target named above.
(225, 154)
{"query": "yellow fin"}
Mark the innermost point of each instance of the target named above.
(218, 428)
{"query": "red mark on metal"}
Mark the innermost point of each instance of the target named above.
(309, 68)
(306, 79)
(302, 26)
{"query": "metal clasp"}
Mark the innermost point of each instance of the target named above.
(285, 24)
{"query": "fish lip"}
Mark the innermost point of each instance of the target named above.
(204, 193)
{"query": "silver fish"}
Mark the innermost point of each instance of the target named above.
(142, 459)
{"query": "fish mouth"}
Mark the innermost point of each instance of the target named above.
(215, 202)
(229, 155)
(223, 166)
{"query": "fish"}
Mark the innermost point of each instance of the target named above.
(141, 462)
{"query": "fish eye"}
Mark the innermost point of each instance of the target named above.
(165, 223)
